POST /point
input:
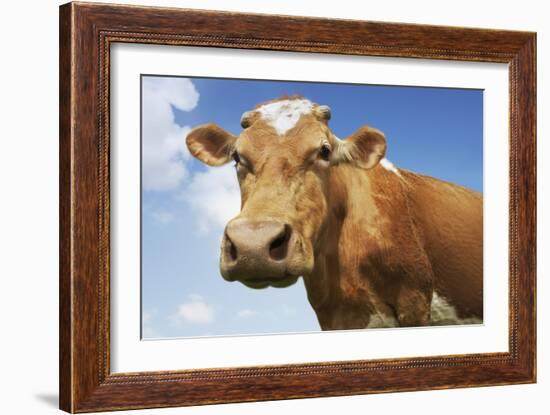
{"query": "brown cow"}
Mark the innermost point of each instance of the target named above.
(376, 246)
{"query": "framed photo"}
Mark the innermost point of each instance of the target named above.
(258, 207)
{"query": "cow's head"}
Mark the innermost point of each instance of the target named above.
(283, 158)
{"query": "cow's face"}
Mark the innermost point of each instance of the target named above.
(283, 158)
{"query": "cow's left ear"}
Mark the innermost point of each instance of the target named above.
(366, 147)
(211, 144)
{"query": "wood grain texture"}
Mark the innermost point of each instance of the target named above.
(65, 246)
(86, 33)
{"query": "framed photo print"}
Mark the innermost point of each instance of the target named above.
(260, 207)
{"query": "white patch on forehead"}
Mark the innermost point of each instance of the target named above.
(443, 313)
(388, 165)
(283, 115)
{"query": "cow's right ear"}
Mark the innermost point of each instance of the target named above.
(211, 144)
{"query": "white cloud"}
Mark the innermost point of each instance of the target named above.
(214, 196)
(147, 329)
(246, 313)
(164, 150)
(196, 310)
(162, 216)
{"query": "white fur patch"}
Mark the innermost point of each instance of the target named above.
(388, 165)
(444, 313)
(380, 320)
(283, 115)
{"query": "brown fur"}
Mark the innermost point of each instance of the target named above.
(392, 244)
(372, 241)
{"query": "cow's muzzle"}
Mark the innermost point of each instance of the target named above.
(260, 253)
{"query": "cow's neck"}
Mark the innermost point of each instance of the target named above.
(337, 288)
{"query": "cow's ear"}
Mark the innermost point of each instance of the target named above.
(365, 148)
(211, 144)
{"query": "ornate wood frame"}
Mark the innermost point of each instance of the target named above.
(86, 33)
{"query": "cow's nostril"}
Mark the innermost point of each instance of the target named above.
(279, 246)
(231, 249)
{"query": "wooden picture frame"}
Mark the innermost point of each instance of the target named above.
(86, 33)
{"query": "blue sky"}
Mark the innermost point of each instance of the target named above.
(434, 131)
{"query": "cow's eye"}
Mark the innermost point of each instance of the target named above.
(236, 157)
(324, 152)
